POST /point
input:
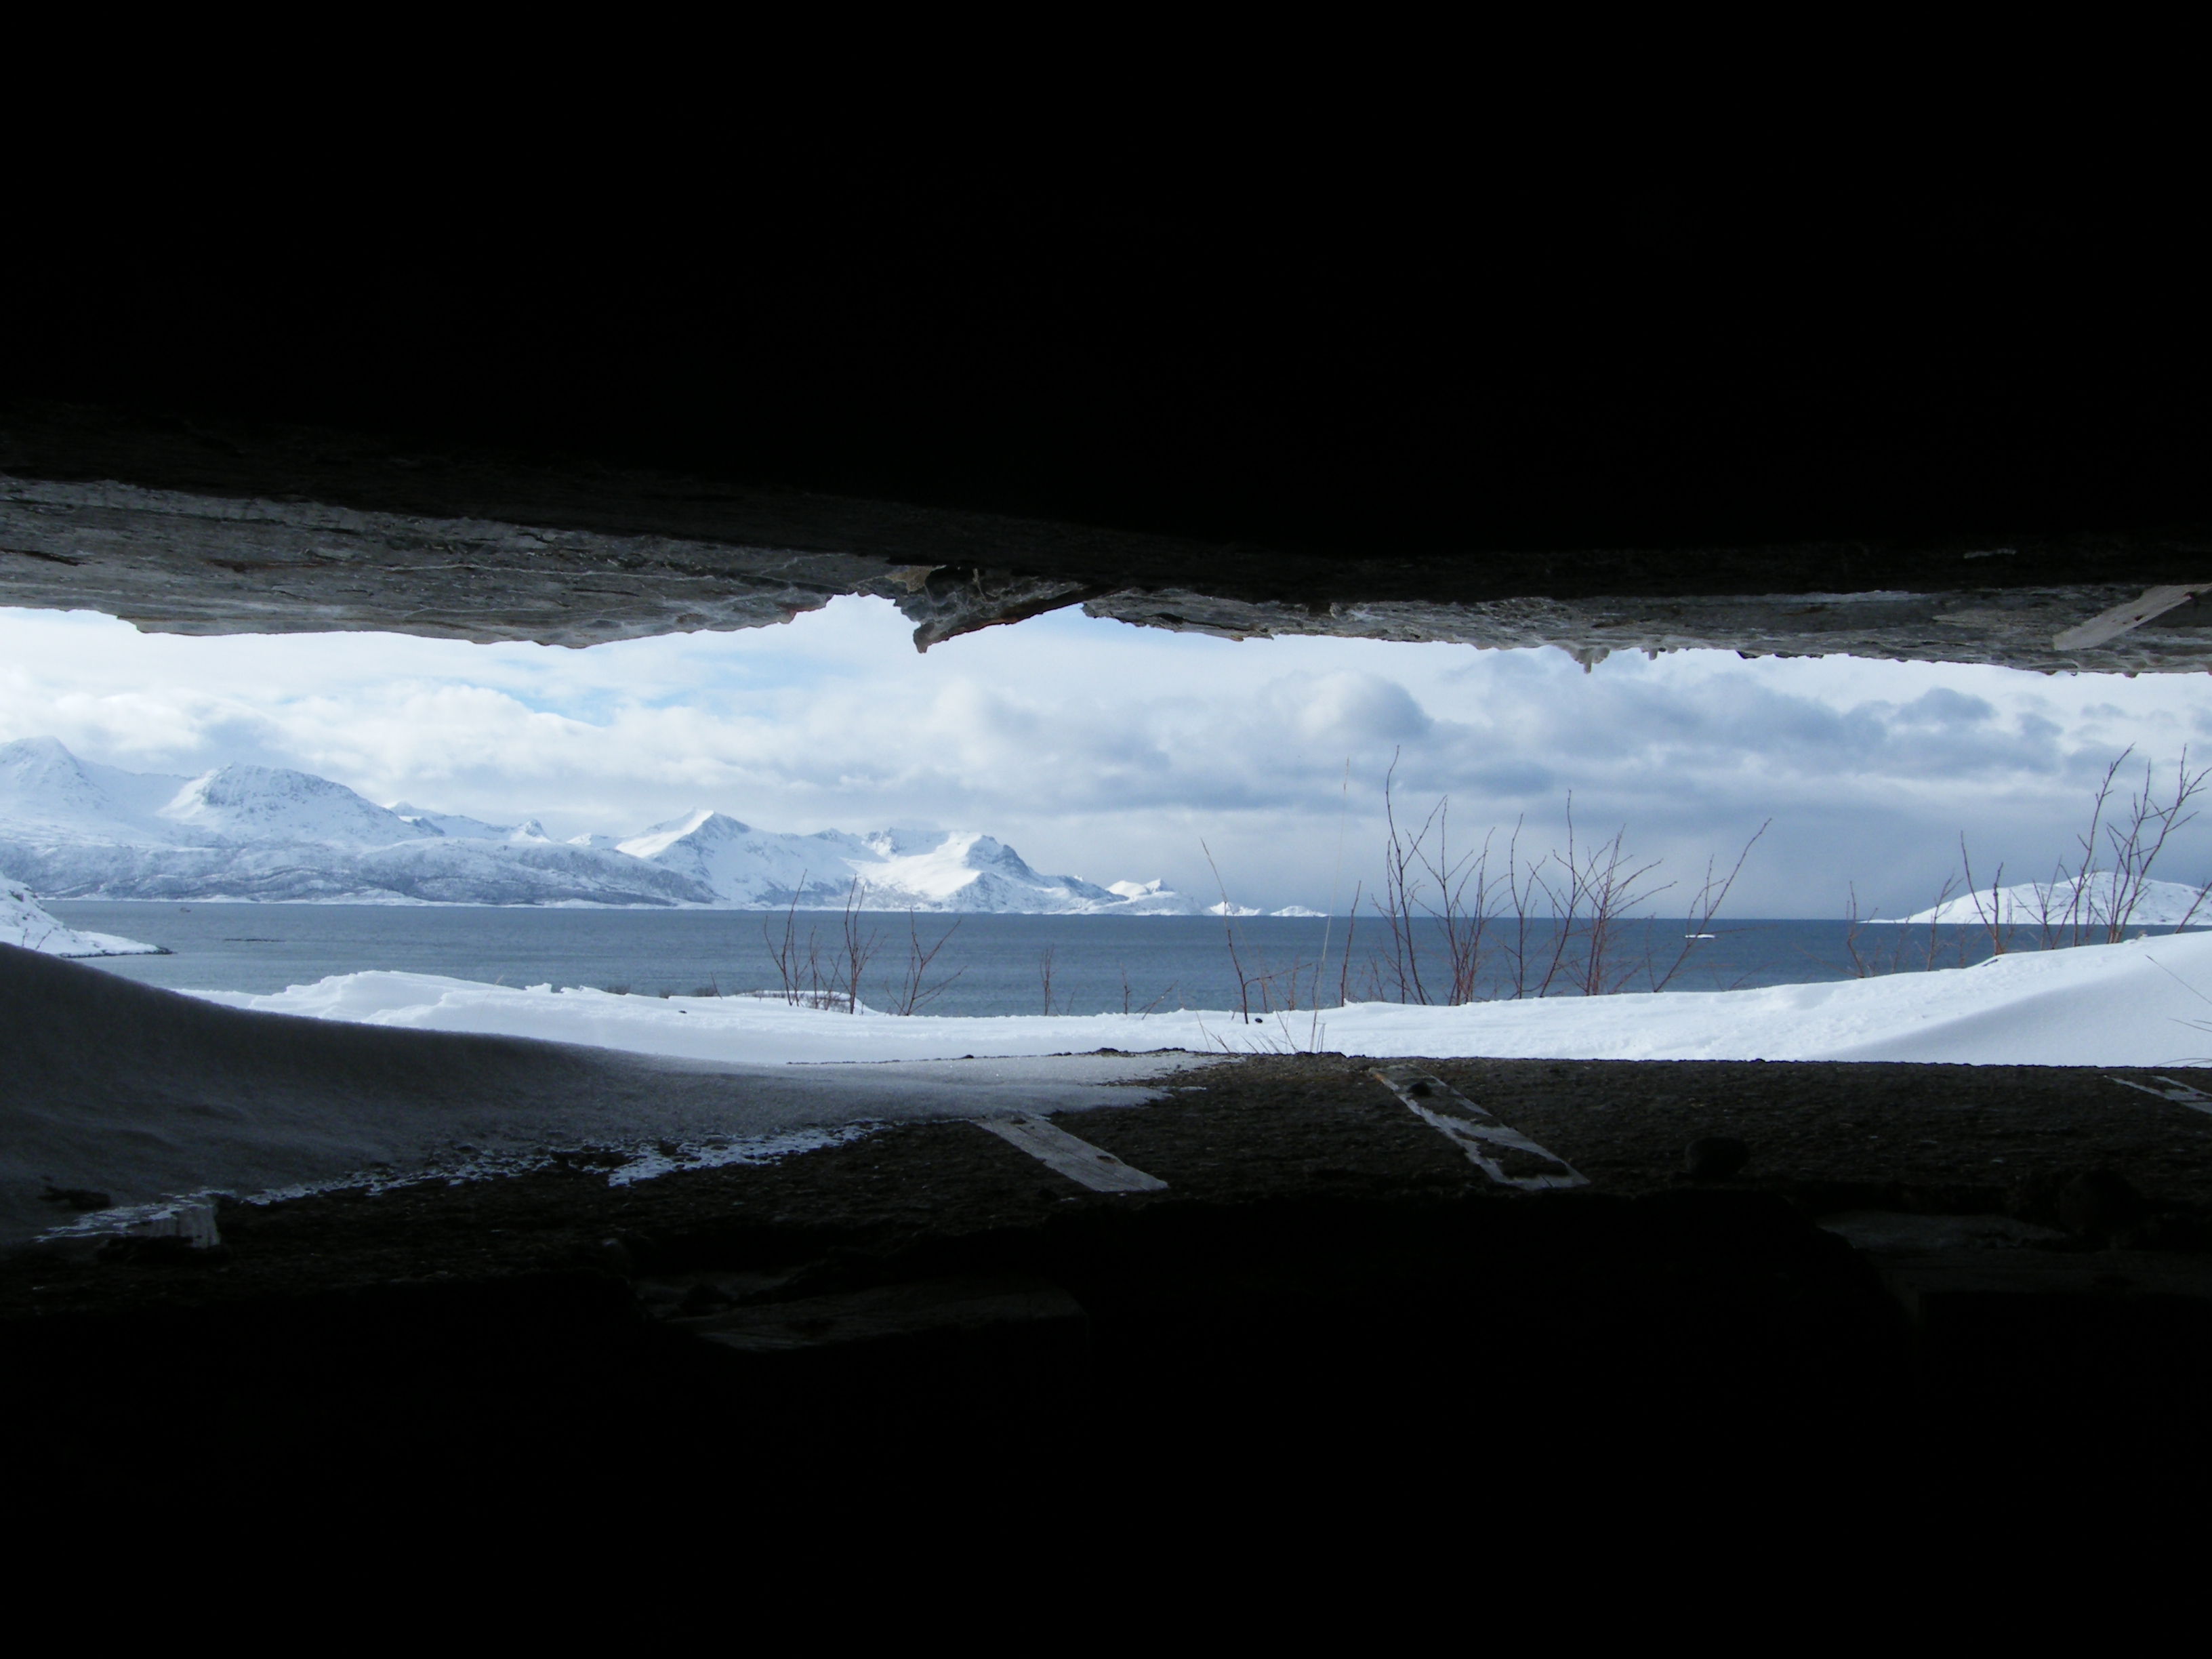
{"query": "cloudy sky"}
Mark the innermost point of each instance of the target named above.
(1112, 752)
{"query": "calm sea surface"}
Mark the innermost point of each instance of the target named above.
(1097, 963)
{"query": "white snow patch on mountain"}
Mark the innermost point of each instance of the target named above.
(450, 824)
(24, 921)
(47, 791)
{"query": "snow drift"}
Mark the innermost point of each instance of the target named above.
(2145, 1003)
(142, 1095)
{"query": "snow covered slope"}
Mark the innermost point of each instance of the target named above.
(275, 803)
(452, 824)
(434, 872)
(143, 1095)
(72, 829)
(2162, 904)
(24, 921)
(2147, 1003)
(47, 792)
(898, 870)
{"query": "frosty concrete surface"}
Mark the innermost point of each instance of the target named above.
(118, 1088)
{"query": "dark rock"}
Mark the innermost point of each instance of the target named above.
(162, 1252)
(616, 1256)
(1714, 1158)
(647, 1253)
(77, 1197)
(2099, 1204)
(703, 1298)
(2033, 1197)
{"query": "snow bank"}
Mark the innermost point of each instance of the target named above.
(115, 1087)
(24, 921)
(2137, 1004)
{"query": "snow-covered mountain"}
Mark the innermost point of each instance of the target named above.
(72, 829)
(2161, 904)
(44, 790)
(262, 804)
(450, 824)
(896, 870)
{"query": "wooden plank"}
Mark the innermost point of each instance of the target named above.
(948, 1307)
(1078, 1160)
(1474, 1131)
(2121, 618)
(2181, 1094)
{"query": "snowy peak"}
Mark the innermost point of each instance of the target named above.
(701, 828)
(745, 865)
(1151, 898)
(274, 803)
(969, 871)
(42, 781)
(71, 828)
(903, 842)
(454, 825)
(45, 789)
(896, 869)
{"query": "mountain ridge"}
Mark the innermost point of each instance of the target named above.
(72, 829)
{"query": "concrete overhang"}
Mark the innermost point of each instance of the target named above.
(204, 527)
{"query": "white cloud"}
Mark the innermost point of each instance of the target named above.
(1111, 751)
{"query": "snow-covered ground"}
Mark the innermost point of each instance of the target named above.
(150, 1098)
(24, 921)
(2160, 904)
(2144, 1003)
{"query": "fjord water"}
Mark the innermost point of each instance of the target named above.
(1098, 963)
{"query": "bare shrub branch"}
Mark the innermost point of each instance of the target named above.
(916, 990)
